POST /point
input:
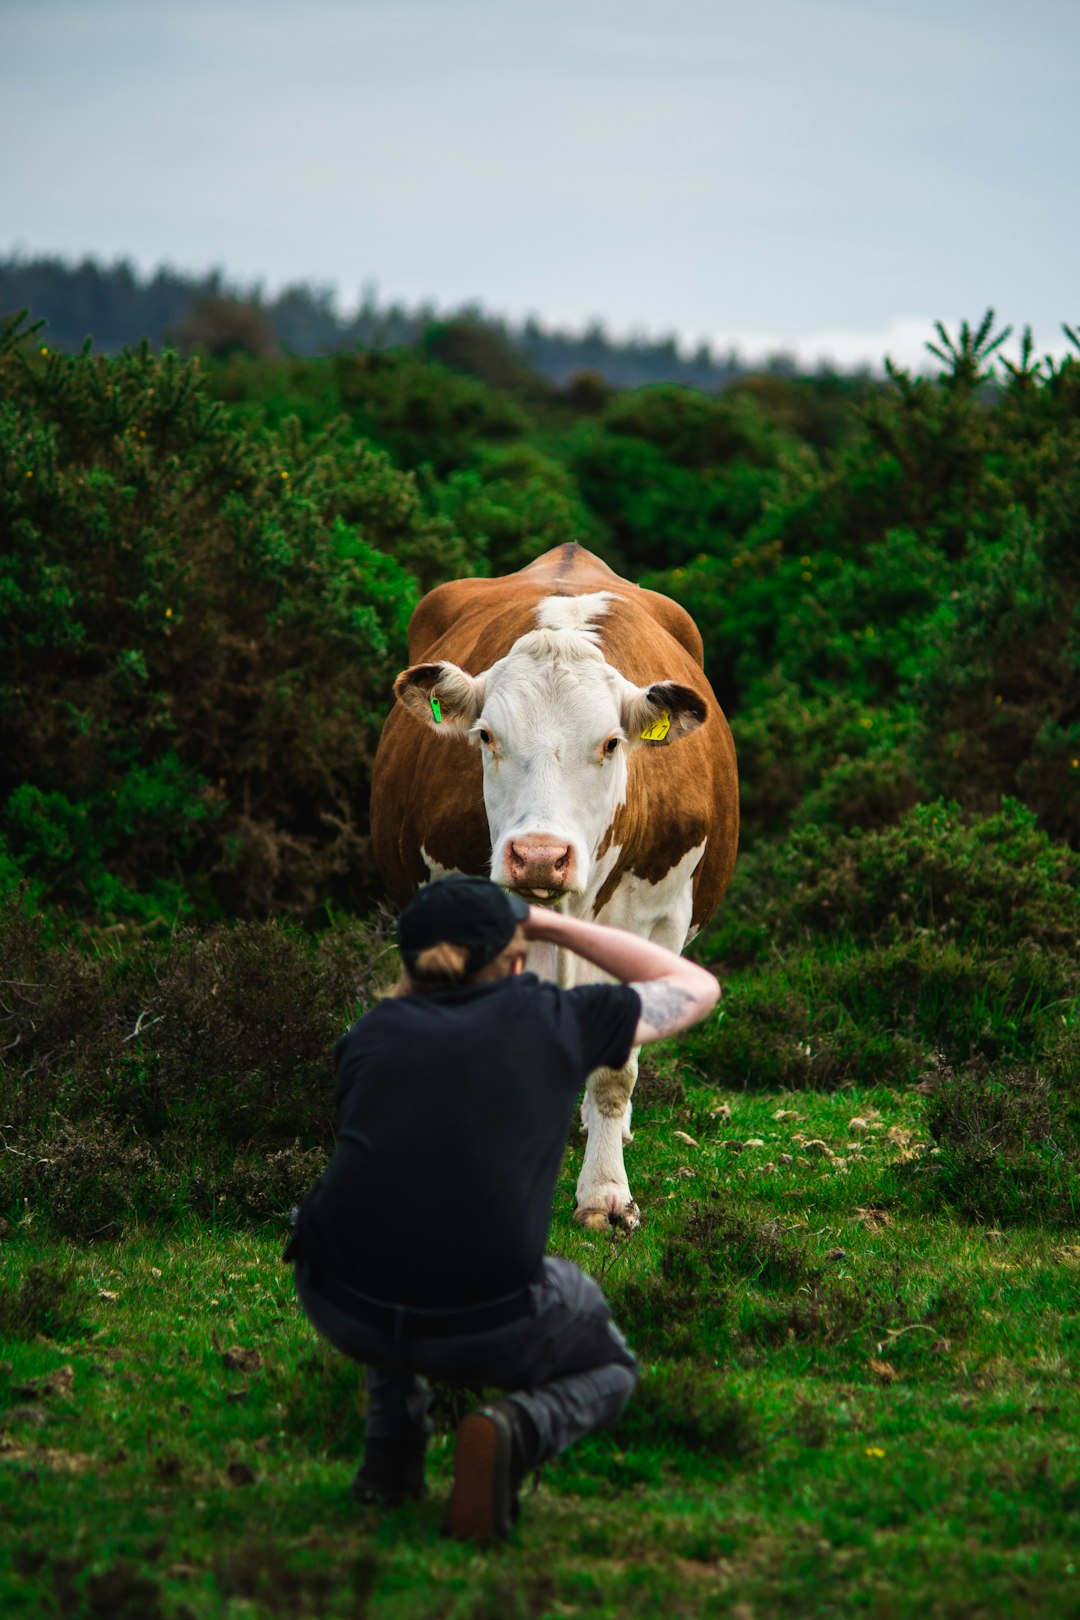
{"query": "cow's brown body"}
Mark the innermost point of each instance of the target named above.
(427, 790)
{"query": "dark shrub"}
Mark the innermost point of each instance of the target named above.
(43, 1301)
(1009, 1138)
(474, 349)
(193, 1074)
(998, 683)
(223, 326)
(682, 1404)
(52, 1007)
(244, 1039)
(512, 506)
(687, 1301)
(988, 882)
(200, 627)
(86, 1181)
(267, 1186)
(828, 761)
(227, 1031)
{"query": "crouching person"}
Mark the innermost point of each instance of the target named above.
(420, 1252)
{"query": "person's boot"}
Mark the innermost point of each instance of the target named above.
(389, 1474)
(496, 1447)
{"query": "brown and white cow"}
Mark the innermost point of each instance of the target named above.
(530, 743)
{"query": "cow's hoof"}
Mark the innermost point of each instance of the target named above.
(607, 1212)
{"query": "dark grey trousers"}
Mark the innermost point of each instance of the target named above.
(565, 1363)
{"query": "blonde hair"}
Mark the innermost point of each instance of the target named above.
(446, 967)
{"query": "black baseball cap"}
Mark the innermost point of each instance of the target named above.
(459, 910)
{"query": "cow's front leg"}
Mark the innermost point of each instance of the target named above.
(603, 1196)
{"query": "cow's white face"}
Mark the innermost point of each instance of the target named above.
(551, 728)
(555, 724)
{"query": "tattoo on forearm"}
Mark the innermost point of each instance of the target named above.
(663, 1005)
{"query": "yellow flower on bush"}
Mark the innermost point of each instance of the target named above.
(874, 1451)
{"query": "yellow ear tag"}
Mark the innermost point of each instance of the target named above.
(659, 728)
(436, 711)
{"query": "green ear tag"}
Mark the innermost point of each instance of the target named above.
(436, 711)
(659, 728)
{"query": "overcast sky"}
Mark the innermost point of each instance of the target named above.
(828, 176)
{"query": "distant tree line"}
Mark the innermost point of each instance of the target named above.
(117, 307)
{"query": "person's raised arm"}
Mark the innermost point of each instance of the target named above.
(674, 993)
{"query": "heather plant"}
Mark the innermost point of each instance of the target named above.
(185, 1074)
(227, 1031)
(1008, 1135)
(42, 1301)
(835, 1015)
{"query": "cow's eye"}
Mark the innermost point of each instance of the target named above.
(611, 746)
(485, 736)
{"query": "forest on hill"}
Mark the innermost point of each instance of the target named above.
(116, 306)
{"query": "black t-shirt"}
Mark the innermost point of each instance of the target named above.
(454, 1109)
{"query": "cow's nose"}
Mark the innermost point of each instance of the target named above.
(539, 863)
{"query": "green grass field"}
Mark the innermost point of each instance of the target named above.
(851, 1404)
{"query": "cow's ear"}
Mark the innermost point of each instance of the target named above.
(442, 694)
(661, 714)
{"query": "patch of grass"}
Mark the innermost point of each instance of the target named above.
(847, 1405)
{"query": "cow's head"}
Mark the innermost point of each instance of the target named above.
(556, 724)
